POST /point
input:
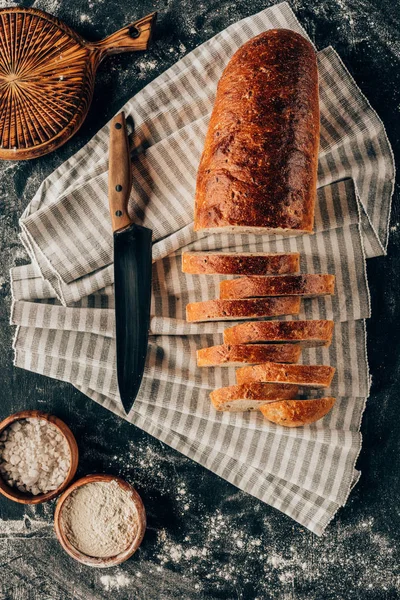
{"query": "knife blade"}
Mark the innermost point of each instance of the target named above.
(132, 269)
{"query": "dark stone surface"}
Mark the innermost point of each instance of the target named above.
(205, 538)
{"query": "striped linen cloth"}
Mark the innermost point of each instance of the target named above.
(63, 301)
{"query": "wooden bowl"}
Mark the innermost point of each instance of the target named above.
(25, 498)
(90, 560)
(47, 74)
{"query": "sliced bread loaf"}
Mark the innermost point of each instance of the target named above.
(250, 354)
(296, 413)
(303, 375)
(280, 285)
(240, 398)
(233, 310)
(240, 263)
(308, 333)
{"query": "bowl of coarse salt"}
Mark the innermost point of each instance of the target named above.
(38, 457)
(100, 520)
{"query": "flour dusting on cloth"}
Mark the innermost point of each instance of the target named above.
(64, 306)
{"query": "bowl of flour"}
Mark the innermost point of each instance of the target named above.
(100, 520)
(38, 457)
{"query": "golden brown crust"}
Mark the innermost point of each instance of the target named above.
(311, 333)
(250, 308)
(247, 354)
(281, 285)
(225, 398)
(296, 413)
(259, 165)
(240, 263)
(303, 375)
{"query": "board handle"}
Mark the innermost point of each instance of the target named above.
(135, 36)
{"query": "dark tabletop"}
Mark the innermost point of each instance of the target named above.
(205, 538)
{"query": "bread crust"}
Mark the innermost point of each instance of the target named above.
(308, 333)
(317, 376)
(250, 396)
(249, 308)
(240, 263)
(307, 286)
(296, 413)
(258, 171)
(225, 355)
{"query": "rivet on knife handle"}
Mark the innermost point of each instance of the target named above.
(119, 173)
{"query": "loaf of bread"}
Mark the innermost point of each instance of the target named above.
(247, 354)
(234, 310)
(306, 286)
(240, 263)
(241, 398)
(296, 413)
(308, 333)
(317, 376)
(258, 171)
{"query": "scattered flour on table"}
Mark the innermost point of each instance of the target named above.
(241, 552)
(146, 66)
(149, 466)
(115, 583)
(216, 549)
(26, 527)
(354, 23)
(50, 6)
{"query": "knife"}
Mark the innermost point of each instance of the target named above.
(132, 269)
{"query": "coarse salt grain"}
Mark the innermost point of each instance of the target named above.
(34, 456)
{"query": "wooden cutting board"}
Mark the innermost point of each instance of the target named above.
(47, 76)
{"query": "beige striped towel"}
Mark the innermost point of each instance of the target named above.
(63, 300)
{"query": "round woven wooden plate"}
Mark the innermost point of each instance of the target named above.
(47, 76)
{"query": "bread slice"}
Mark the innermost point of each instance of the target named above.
(250, 308)
(307, 286)
(240, 398)
(307, 333)
(240, 263)
(296, 413)
(317, 376)
(250, 354)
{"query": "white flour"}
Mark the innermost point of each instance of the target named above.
(100, 519)
(115, 582)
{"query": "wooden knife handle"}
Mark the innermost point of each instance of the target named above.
(119, 173)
